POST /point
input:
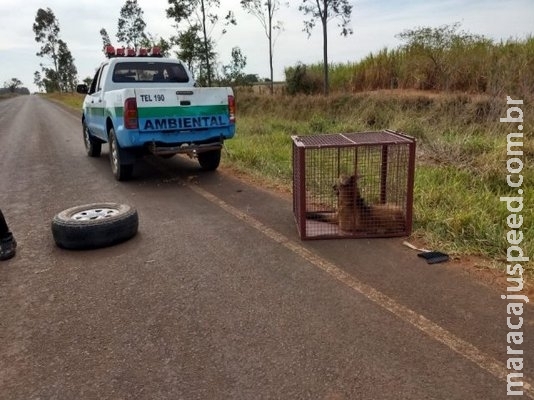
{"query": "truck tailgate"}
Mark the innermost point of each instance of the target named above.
(187, 109)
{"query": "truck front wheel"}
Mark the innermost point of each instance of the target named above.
(209, 160)
(121, 170)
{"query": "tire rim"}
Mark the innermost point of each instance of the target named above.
(95, 213)
(114, 155)
(86, 137)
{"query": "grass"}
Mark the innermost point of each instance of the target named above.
(72, 100)
(460, 166)
(481, 67)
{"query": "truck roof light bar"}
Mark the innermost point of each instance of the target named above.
(111, 52)
(154, 52)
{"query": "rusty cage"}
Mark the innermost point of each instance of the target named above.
(353, 185)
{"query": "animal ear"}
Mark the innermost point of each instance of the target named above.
(345, 180)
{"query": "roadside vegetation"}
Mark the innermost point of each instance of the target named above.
(445, 58)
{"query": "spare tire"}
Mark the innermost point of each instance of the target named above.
(95, 225)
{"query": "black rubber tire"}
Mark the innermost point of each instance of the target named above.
(121, 171)
(95, 225)
(209, 160)
(93, 146)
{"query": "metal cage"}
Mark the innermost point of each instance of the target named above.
(353, 185)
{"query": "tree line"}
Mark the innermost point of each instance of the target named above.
(198, 24)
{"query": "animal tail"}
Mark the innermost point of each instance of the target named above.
(329, 217)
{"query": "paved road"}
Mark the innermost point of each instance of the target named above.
(216, 297)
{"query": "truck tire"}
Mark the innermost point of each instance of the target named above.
(121, 170)
(209, 160)
(94, 225)
(93, 146)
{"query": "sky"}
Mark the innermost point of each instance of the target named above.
(375, 24)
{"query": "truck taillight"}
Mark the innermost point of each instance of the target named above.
(231, 108)
(130, 114)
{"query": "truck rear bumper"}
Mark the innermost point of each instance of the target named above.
(135, 138)
(190, 149)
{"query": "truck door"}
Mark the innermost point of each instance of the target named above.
(94, 104)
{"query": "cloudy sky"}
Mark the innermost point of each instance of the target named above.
(375, 24)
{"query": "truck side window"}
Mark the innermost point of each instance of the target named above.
(103, 75)
(92, 89)
(177, 73)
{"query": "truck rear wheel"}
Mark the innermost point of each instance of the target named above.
(209, 160)
(121, 170)
(93, 147)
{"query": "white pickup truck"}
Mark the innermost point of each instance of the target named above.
(140, 103)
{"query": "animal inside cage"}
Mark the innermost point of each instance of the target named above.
(353, 185)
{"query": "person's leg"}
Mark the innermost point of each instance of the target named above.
(8, 243)
(4, 230)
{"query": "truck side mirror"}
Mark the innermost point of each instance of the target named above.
(83, 89)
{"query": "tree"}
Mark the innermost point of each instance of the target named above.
(201, 18)
(131, 27)
(325, 11)
(233, 73)
(88, 80)
(13, 84)
(106, 41)
(264, 11)
(46, 29)
(191, 47)
(38, 80)
(150, 41)
(51, 80)
(66, 69)
(63, 74)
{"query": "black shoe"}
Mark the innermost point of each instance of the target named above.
(7, 247)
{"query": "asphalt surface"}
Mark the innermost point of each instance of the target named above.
(216, 297)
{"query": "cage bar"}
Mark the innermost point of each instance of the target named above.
(353, 185)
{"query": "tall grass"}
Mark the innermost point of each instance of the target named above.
(478, 67)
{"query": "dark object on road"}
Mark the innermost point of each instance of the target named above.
(434, 257)
(431, 257)
(94, 225)
(8, 244)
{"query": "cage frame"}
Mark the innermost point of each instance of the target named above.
(339, 141)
